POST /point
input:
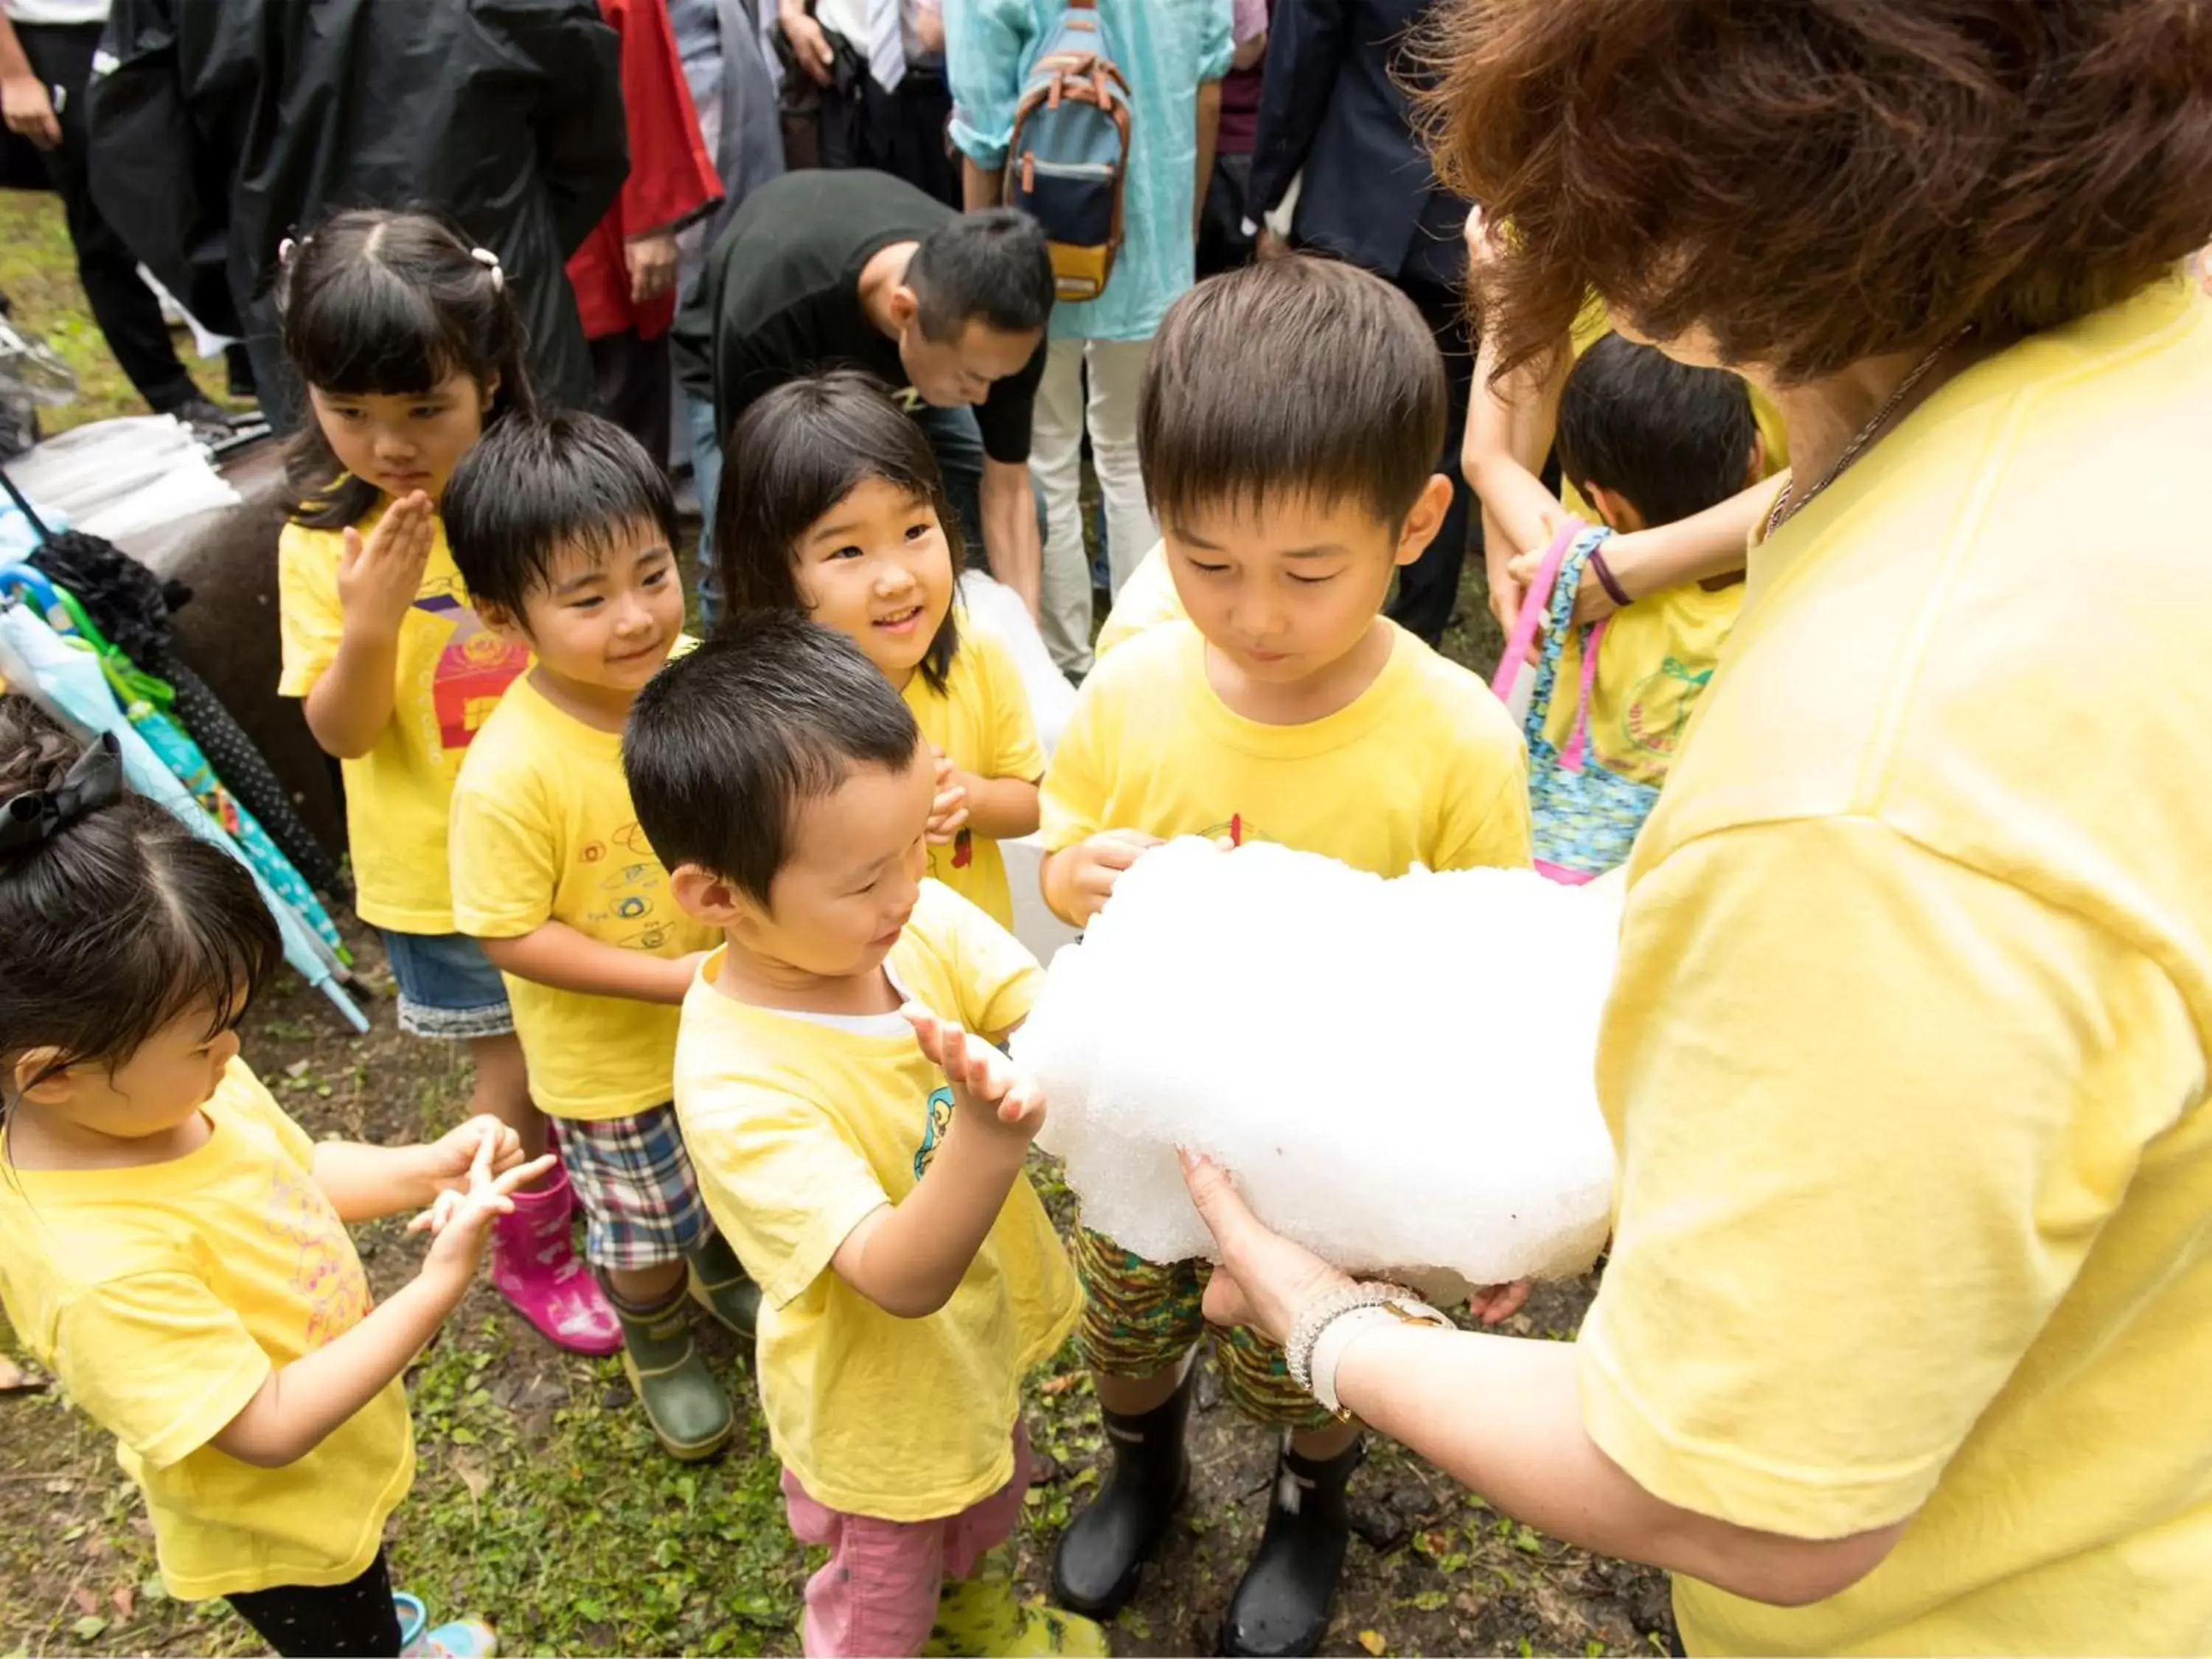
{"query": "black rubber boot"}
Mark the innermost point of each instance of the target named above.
(1101, 1555)
(1283, 1604)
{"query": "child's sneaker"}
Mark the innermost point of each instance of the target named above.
(461, 1639)
(535, 1266)
(720, 1285)
(984, 1616)
(690, 1413)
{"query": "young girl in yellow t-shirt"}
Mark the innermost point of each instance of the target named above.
(172, 1246)
(831, 503)
(409, 346)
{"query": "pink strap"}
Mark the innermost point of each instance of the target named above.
(1534, 604)
(1578, 745)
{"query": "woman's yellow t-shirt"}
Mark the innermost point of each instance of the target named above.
(1906, 1054)
(542, 831)
(1657, 655)
(163, 1296)
(450, 674)
(800, 1128)
(982, 723)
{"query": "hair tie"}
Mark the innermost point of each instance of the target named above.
(96, 781)
(285, 250)
(489, 261)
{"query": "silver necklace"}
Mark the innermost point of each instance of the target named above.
(1789, 502)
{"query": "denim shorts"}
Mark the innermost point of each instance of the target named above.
(447, 985)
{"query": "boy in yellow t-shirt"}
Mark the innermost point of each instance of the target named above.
(566, 531)
(1290, 414)
(873, 1183)
(1645, 441)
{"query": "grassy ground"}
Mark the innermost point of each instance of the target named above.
(38, 273)
(542, 1500)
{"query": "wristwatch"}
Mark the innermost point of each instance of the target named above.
(1326, 1328)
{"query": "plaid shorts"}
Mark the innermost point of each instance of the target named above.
(1140, 1317)
(636, 1183)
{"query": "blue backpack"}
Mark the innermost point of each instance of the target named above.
(1070, 150)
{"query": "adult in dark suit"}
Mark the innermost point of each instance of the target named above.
(1332, 112)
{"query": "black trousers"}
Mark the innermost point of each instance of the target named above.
(900, 132)
(123, 306)
(339, 1620)
(1428, 589)
(1222, 243)
(635, 388)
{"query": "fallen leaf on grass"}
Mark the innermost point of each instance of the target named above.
(88, 1628)
(1057, 1385)
(1373, 1641)
(84, 1601)
(297, 1069)
(125, 1599)
(60, 1483)
(473, 1475)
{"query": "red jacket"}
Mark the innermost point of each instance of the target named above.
(671, 178)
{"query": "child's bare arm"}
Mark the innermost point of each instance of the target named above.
(553, 953)
(364, 1182)
(1001, 808)
(907, 1258)
(299, 1404)
(349, 708)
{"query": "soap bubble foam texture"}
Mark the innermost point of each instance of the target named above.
(1397, 1073)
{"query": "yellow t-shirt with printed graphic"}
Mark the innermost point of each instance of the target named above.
(1656, 656)
(981, 722)
(801, 1127)
(450, 673)
(542, 830)
(1423, 767)
(163, 1296)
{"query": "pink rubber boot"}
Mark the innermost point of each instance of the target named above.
(535, 1265)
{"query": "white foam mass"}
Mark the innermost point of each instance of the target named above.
(1397, 1073)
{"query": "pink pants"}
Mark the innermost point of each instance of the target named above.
(878, 1592)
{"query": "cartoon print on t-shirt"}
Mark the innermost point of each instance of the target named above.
(1235, 830)
(937, 1120)
(1660, 707)
(327, 1275)
(472, 673)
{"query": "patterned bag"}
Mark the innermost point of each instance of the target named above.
(1585, 818)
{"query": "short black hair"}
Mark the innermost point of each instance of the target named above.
(989, 267)
(1293, 377)
(1673, 439)
(383, 303)
(796, 453)
(725, 744)
(528, 488)
(118, 920)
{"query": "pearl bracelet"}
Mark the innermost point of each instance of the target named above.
(1317, 1319)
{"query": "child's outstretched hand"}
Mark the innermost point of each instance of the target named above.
(987, 1093)
(451, 1154)
(1095, 864)
(948, 811)
(378, 579)
(458, 1221)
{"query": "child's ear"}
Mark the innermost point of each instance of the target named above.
(507, 624)
(1621, 515)
(488, 394)
(1756, 468)
(53, 1088)
(1426, 517)
(705, 896)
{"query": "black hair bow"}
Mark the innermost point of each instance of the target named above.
(94, 781)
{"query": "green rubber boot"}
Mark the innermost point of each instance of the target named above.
(719, 1285)
(985, 1618)
(690, 1413)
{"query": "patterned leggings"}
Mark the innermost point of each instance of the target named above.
(1140, 1317)
(355, 1620)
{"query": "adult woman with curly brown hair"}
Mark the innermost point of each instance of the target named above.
(1904, 1340)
